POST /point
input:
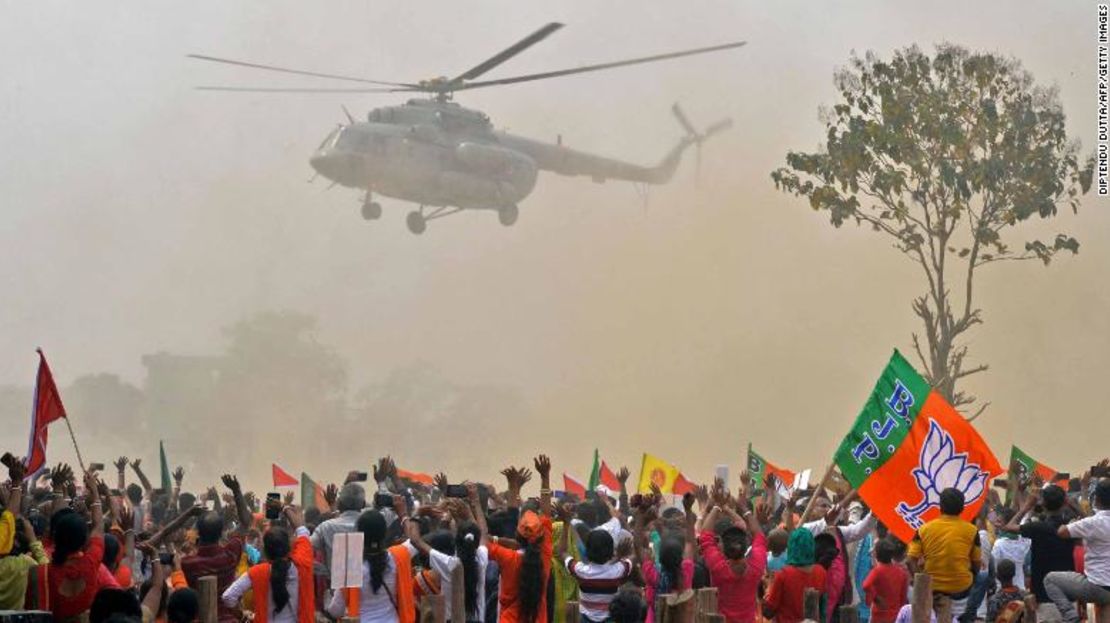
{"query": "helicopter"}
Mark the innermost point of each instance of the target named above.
(446, 158)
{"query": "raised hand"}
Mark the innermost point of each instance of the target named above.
(688, 500)
(543, 465)
(17, 470)
(746, 478)
(622, 476)
(564, 511)
(179, 475)
(331, 494)
(121, 464)
(61, 475)
(763, 513)
(102, 489)
(385, 469)
(702, 496)
(294, 515)
(440, 481)
(231, 482)
(92, 486)
(288, 498)
(656, 492)
(136, 464)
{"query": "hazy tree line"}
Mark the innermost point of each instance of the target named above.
(275, 393)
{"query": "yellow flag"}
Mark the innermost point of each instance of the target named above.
(662, 473)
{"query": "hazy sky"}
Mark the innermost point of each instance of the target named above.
(141, 215)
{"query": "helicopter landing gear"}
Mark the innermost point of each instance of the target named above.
(416, 222)
(371, 210)
(508, 215)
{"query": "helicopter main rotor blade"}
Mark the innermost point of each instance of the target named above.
(298, 72)
(588, 68)
(301, 90)
(507, 53)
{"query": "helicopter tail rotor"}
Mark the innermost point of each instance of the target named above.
(697, 138)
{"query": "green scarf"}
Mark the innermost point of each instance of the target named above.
(800, 548)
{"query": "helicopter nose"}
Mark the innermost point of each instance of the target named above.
(331, 165)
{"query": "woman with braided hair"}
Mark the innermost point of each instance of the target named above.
(285, 582)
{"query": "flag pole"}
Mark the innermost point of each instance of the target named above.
(80, 461)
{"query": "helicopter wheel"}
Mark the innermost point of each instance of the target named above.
(508, 215)
(416, 222)
(372, 211)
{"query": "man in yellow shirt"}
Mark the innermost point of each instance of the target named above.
(949, 548)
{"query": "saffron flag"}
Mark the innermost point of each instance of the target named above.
(312, 494)
(609, 479)
(573, 485)
(47, 408)
(282, 478)
(417, 477)
(682, 486)
(1027, 466)
(167, 484)
(655, 470)
(760, 468)
(907, 445)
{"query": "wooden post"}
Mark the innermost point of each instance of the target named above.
(458, 594)
(571, 614)
(922, 598)
(849, 614)
(206, 597)
(660, 608)
(943, 606)
(681, 607)
(433, 609)
(811, 605)
(1030, 609)
(706, 604)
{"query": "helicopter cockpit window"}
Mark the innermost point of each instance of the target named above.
(352, 140)
(327, 141)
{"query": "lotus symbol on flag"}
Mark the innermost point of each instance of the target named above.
(940, 468)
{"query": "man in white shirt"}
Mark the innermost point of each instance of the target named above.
(1064, 587)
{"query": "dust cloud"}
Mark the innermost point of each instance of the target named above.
(143, 217)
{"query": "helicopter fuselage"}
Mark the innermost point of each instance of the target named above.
(437, 153)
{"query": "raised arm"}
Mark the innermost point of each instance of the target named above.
(175, 525)
(121, 473)
(543, 467)
(243, 512)
(178, 477)
(622, 478)
(147, 487)
(96, 510)
(477, 510)
(691, 549)
(153, 597)
(516, 478)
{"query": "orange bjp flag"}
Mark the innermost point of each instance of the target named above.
(909, 444)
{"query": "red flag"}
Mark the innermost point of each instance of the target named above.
(609, 479)
(283, 478)
(683, 486)
(48, 408)
(572, 485)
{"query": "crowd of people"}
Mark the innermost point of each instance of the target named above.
(73, 546)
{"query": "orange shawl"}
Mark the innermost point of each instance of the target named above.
(302, 558)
